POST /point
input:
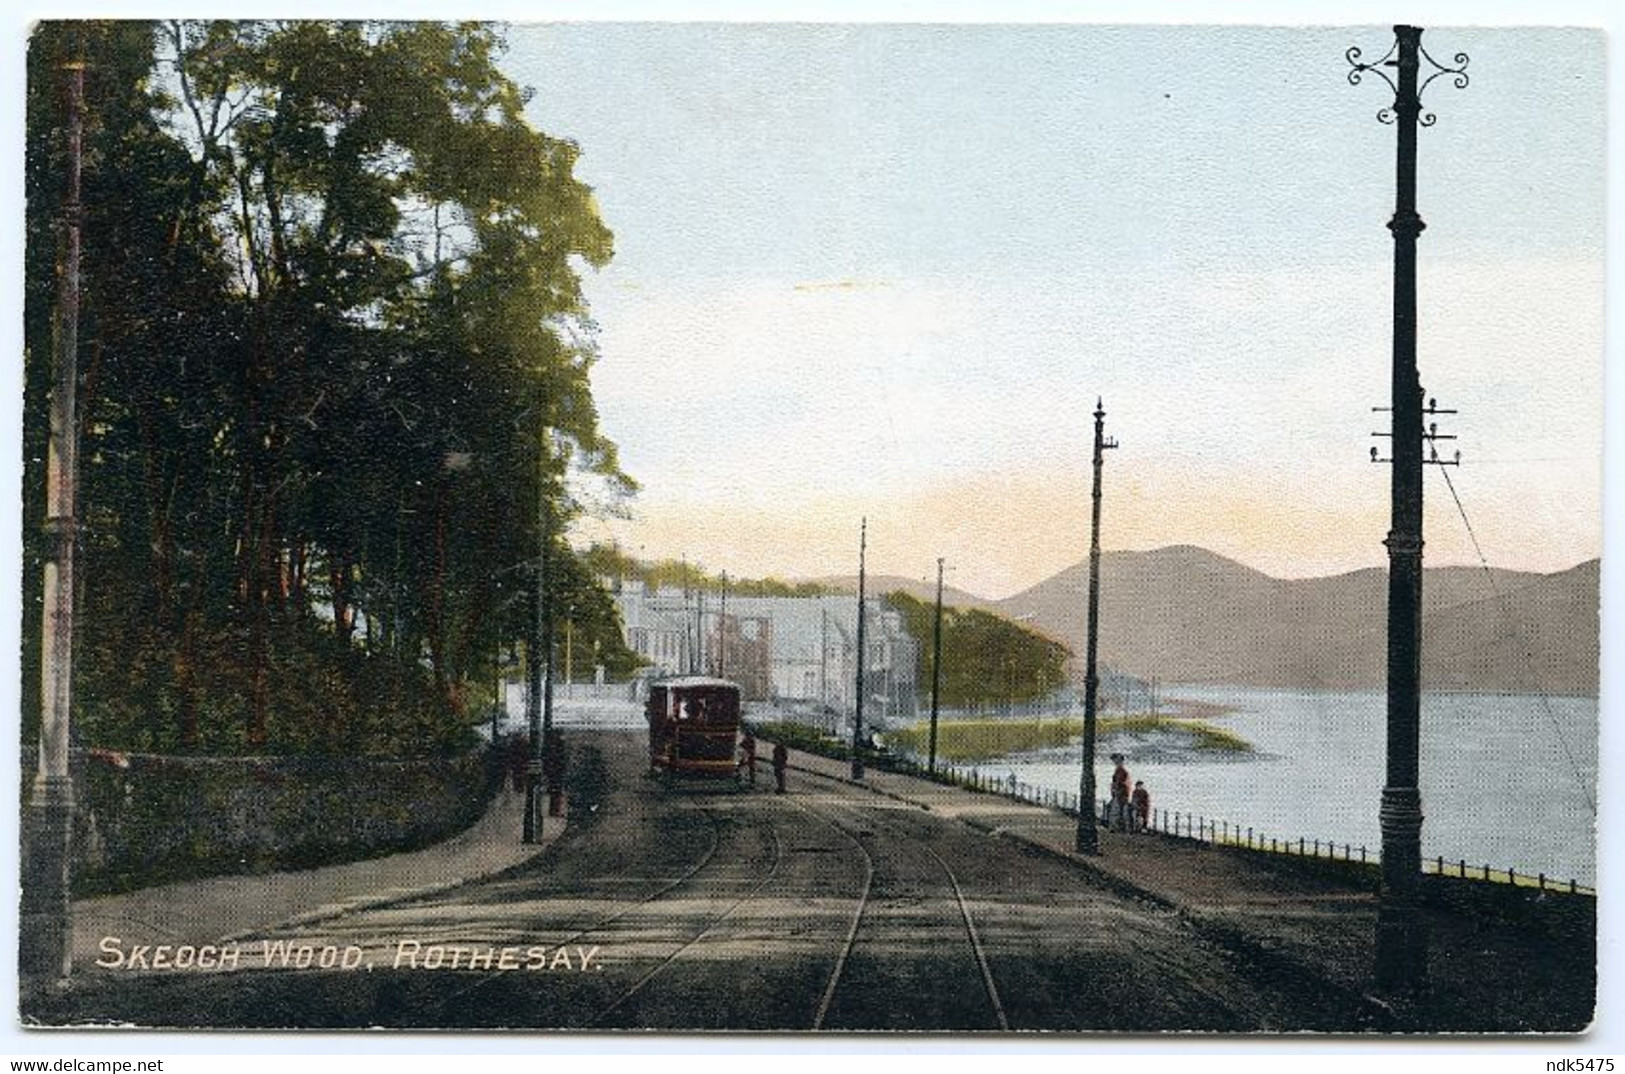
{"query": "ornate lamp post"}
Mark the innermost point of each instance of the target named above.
(1401, 932)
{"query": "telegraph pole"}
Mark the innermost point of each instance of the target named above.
(45, 922)
(496, 709)
(701, 665)
(533, 691)
(857, 719)
(570, 652)
(687, 655)
(1401, 964)
(1088, 838)
(548, 669)
(722, 631)
(539, 695)
(936, 671)
(823, 659)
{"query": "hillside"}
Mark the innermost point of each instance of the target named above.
(1184, 614)
(878, 584)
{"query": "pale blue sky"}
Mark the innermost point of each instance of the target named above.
(900, 261)
(863, 150)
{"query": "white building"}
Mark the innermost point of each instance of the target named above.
(811, 651)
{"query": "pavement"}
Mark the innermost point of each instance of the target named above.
(228, 908)
(1298, 923)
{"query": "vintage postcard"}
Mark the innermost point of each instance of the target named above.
(811, 527)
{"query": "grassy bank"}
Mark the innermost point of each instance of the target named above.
(981, 740)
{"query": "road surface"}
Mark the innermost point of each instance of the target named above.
(705, 907)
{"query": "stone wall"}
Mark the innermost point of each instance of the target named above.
(143, 819)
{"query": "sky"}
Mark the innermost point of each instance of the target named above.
(887, 270)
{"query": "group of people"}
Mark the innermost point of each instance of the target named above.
(1128, 811)
(747, 761)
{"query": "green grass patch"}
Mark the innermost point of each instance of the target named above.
(798, 736)
(1204, 735)
(983, 740)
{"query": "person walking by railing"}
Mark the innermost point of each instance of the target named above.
(1141, 800)
(1117, 813)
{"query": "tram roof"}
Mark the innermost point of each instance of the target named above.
(691, 681)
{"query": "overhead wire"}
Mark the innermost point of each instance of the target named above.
(1521, 643)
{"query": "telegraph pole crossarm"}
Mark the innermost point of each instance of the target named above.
(1431, 436)
(1401, 959)
(1088, 836)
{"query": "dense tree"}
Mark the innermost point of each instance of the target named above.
(609, 561)
(335, 369)
(986, 659)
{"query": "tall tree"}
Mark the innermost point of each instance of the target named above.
(334, 308)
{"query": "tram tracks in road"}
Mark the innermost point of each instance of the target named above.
(864, 936)
(711, 924)
(975, 943)
(1168, 964)
(827, 999)
(828, 995)
(688, 874)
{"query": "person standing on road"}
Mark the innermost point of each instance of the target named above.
(518, 761)
(553, 772)
(1118, 817)
(747, 756)
(1142, 806)
(781, 761)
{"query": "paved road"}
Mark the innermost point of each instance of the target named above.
(707, 908)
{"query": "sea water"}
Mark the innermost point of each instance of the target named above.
(1507, 780)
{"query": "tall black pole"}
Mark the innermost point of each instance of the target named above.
(936, 671)
(1088, 837)
(857, 719)
(45, 922)
(1401, 962)
(700, 646)
(539, 666)
(686, 657)
(545, 742)
(823, 657)
(1401, 941)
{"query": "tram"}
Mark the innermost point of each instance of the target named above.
(693, 726)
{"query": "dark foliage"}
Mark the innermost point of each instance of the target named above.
(986, 659)
(334, 363)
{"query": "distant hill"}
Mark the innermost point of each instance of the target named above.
(1184, 614)
(881, 584)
